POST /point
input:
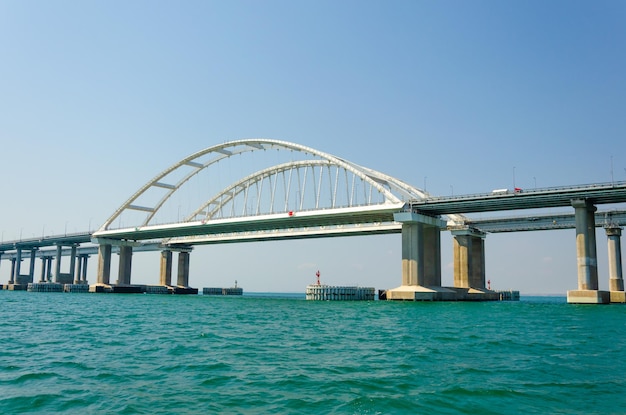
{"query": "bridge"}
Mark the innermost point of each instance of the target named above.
(289, 191)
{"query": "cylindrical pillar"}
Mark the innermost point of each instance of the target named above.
(586, 244)
(616, 281)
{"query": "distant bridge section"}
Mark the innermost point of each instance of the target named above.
(543, 222)
(504, 199)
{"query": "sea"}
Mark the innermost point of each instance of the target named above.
(264, 353)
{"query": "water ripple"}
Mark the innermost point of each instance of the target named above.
(137, 354)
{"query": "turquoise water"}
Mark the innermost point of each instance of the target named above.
(155, 354)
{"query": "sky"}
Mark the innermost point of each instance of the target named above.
(459, 97)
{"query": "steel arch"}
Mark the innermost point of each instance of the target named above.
(381, 182)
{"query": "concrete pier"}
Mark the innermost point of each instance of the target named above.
(80, 277)
(60, 277)
(13, 267)
(469, 259)
(421, 258)
(104, 264)
(183, 269)
(616, 280)
(587, 292)
(125, 265)
(165, 277)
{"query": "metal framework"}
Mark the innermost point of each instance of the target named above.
(321, 181)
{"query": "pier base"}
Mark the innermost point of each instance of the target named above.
(618, 296)
(158, 289)
(75, 288)
(588, 297)
(100, 288)
(128, 289)
(15, 287)
(45, 287)
(421, 293)
(185, 290)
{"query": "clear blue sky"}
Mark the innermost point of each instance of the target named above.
(463, 96)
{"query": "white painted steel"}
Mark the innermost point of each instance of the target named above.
(383, 184)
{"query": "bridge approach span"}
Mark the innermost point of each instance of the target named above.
(602, 193)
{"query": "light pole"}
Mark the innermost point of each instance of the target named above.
(425, 177)
(513, 178)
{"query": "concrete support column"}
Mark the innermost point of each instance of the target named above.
(165, 277)
(49, 269)
(72, 263)
(57, 265)
(18, 265)
(421, 249)
(13, 266)
(616, 281)
(83, 277)
(412, 254)
(31, 270)
(587, 292)
(586, 245)
(462, 259)
(432, 256)
(43, 269)
(469, 259)
(104, 264)
(79, 269)
(126, 259)
(183, 269)
(477, 277)
(421, 258)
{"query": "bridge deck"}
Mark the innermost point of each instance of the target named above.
(526, 199)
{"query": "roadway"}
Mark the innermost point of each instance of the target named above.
(602, 193)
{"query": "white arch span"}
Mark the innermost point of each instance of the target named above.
(393, 191)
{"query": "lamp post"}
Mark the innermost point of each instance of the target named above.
(513, 178)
